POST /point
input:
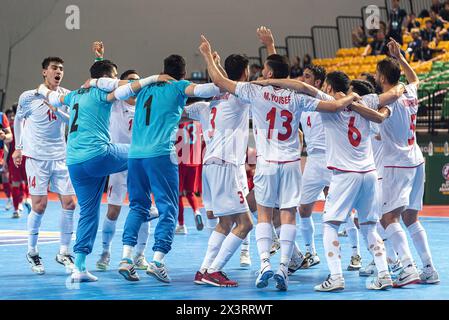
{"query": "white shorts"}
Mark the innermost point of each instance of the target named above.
(403, 187)
(117, 188)
(277, 185)
(244, 180)
(48, 172)
(223, 193)
(315, 178)
(351, 190)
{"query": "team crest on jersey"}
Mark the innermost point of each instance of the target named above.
(20, 237)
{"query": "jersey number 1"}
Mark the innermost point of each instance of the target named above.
(147, 106)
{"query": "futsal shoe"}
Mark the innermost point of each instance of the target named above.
(343, 233)
(335, 283)
(381, 282)
(16, 215)
(245, 259)
(312, 259)
(281, 278)
(84, 276)
(429, 275)
(275, 246)
(408, 275)
(264, 275)
(154, 213)
(8, 205)
(140, 263)
(355, 264)
(218, 279)
(395, 267)
(159, 271)
(181, 229)
(36, 264)
(199, 278)
(66, 260)
(297, 263)
(199, 221)
(127, 270)
(369, 270)
(103, 262)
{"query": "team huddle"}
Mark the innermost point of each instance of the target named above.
(361, 146)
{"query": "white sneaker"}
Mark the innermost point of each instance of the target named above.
(369, 270)
(355, 264)
(275, 246)
(36, 264)
(245, 259)
(313, 259)
(381, 283)
(103, 262)
(181, 230)
(408, 275)
(297, 263)
(159, 271)
(264, 275)
(16, 215)
(85, 276)
(342, 233)
(429, 275)
(8, 204)
(154, 213)
(331, 284)
(140, 263)
(127, 270)
(281, 278)
(395, 267)
(66, 260)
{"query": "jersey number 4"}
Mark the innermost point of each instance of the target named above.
(51, 116)
(287, 124)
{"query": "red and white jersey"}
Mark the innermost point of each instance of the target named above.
(314, 134)
(44, 131)
(225, 124)
(276, 114)
(399, 132)
(377, 144)
(121, 122)
(348, 139)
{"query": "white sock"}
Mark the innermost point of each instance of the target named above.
(332, 249)
(159, 257)
(246, 242)
(353, 235)
(213, 247)
(211, 224)
(108, 232)
(376, 247)
(277, 231)
(264, 239)
(142, 238)
(66, 230)
(127, 252)
(287, 239)
(308, 233)
(392, 256)
(398, 239)
(229, 246)
(419, 237)
(33, 224)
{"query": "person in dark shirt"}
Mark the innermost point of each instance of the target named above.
(425, 53)
(444, 13)
(412, 22)
(428, 33)
(415, 44)
(436, 6)
(437, 24)
(396, 19)
(378, 46)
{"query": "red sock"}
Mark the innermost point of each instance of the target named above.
(25, 190)
(192, 201)
(17, 197)
(181, 212)
(7, 189)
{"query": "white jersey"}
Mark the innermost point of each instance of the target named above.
(276, 113)
(44, 131)
(121, 122)
(398, 132)
(314, 134)
(377, 144)
(348, 139)
(225, 125)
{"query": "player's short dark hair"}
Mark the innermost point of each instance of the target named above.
(255, 65)
(102, 68)
(8, 112)
(175, 66)
(339, 81)
(362, 87)
(125, 74)
(235, 66)
(14, 107)
(390, 69)
(46, 62)
(319, 73)
(280, 66)
(371, 79)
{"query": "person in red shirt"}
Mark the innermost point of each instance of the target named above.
(6, 137)
(4, 165)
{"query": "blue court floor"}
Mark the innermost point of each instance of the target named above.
(18, 282)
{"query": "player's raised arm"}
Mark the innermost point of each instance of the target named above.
(337, 105)
(266, 37)
(214, 73)
(395, 51)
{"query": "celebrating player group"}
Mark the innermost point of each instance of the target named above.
(361, 146)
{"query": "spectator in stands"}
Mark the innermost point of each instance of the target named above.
(296, 71)
(396, 21)
(415, 44)
(412, 23)
(437, 24)
(428, 33)
(307, 62)
(425, 53)
(378, 46)
(436, 6)
(254, 72)
(359, 38)
(444, 13)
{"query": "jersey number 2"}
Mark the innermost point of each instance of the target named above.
(74, 126)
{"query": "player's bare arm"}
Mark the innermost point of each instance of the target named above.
(377, 116)
(391, 95)
(337, 105)
(291, 84)
(266, 37)
(395, 51)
